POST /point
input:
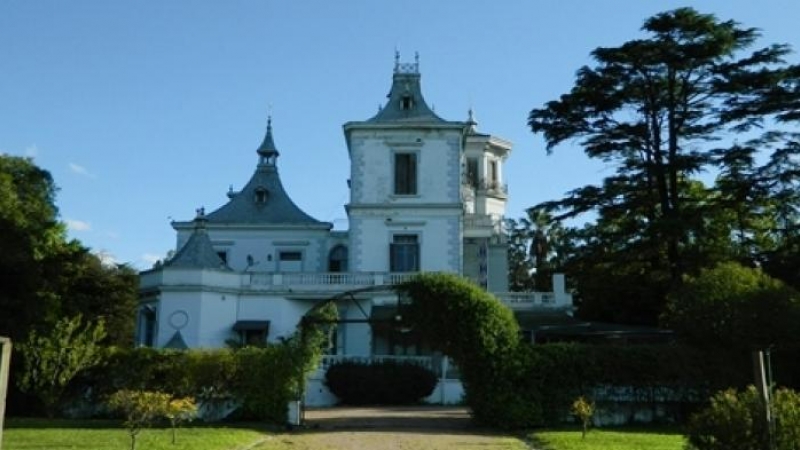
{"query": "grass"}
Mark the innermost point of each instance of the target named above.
(38, 434)
(610, 439)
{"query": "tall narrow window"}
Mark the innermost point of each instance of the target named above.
(472, 172)
(404, 253)
(405, 173)
(493, 181)
(148, 326)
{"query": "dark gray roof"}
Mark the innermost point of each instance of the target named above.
(406, 103)
(197, 252)
(267, 147)
(176, 342)
(263, 199)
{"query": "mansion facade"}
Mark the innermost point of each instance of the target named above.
(426, 195)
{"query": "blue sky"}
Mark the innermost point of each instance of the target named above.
(146, 110)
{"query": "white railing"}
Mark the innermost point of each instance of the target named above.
(478, 221)
(324, 280)
(424, 361)
(527, 300)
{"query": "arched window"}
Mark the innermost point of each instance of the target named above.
(337, 259)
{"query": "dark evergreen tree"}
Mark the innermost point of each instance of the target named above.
(653, 108)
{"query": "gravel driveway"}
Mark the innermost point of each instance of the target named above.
(391, 428)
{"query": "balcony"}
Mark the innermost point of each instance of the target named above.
(321, 282)
(481, 226)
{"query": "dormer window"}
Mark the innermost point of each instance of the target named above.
(261, 196)
(406, 102)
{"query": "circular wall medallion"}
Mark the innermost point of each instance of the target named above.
(178, 319)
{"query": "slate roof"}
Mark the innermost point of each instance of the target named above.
(176, 342)
(263, 199)
(198, 252)
(406, 103)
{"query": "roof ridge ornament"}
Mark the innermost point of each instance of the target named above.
(266, 151)
(408, 68)
(200, 219)
(472, 124)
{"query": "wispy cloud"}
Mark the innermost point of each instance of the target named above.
(32, 151)
(80, 170)
(77, 225)
(112, 234)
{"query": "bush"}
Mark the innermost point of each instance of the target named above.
(385, 383)
(513, 385)
(731, 306)
(478, 332)
(262, 379)
(736, 421)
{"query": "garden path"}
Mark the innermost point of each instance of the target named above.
(391, 428)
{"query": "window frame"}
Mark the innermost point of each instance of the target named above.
(405, 173)
(405, 256)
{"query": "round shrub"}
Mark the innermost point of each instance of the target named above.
(736, 421)
(383, 383)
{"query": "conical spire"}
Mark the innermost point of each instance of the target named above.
(198, 252)
(266, 151)
(472, 124)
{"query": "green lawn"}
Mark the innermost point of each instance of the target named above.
(30, 434)
(611, 439)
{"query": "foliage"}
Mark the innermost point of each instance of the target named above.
(478, 333)
(737, 421)
(731, 306)
(44, 275)
(179, 410)
(384, 383)
(261, 379)
(655, 109)
(98, 289)
(583, 410)
(30, 236)
(51, 361)
(535, 248)
(140, 409)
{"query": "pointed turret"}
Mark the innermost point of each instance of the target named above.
(263, 200)
(472, 124)
(267, 152)
(198, 252)
(406, 102)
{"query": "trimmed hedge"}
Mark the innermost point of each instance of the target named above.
(509, 384)
(262, 379)
(384, 383)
